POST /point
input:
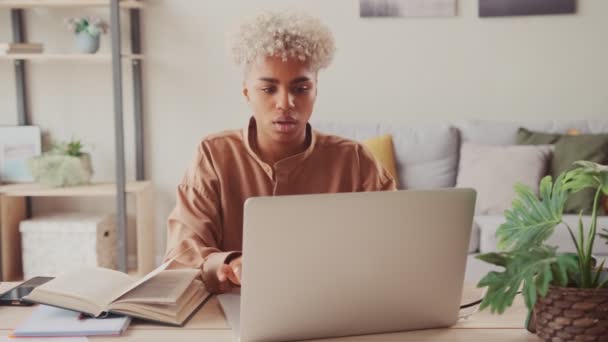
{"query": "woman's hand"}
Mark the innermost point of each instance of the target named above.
(231, 271)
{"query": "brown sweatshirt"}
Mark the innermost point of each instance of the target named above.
(206, 226)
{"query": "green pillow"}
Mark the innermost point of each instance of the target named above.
(568, 149)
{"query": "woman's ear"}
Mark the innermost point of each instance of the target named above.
(245, 79)
(246, 92)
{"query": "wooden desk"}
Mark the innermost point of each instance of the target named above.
(12, 211)
(209, 325)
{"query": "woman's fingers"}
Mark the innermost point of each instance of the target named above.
(236, 266)
(222, 273)
(226, 272)
(237, 271)
(232, 276)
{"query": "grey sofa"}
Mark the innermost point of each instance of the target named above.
(427, 157)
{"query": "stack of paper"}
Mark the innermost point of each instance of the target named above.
(50, 321)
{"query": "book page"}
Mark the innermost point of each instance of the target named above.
(143, 280)
(96, 285)
(165, 288)
(174, 314)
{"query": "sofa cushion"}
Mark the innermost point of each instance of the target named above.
(382, 149)
(505, 133)
(568, 149)
(561, 238)
(474, 241)
(493, 170)
(426, 154)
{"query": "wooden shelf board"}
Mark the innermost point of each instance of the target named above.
(97, 189)
(23, 4)
(67, 57)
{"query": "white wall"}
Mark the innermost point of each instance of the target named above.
(393, 69)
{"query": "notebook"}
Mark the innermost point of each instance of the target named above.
(50, 321)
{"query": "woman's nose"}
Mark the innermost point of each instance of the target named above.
(285, 100)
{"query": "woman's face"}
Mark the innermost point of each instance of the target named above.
(281, 95)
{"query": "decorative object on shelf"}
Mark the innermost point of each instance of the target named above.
(17, 145)
(501, 8)
(407, 8)
(88, 32)
(552, 281)
(64, 165)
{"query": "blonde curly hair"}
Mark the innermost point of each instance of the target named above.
(284, 34)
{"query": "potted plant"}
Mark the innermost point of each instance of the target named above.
(65, 165)
(567, 291)
(88, 32)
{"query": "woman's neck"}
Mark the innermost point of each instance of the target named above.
(271, 151)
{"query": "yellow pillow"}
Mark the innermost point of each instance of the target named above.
(573, 131)
(382, 149)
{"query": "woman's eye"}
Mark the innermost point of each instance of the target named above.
(299, 90)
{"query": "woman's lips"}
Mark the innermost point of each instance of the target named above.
(285, 126)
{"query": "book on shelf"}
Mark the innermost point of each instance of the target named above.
(18, 48)
(164, 296)
(48, 321)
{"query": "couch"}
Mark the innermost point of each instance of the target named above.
(427, 156)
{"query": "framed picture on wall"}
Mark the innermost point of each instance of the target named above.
(407, 8)
(17, 145)
(501, 8)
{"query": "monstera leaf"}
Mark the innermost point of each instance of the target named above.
(587, 175)
(531, 220)
(535, 269)
(605, 236)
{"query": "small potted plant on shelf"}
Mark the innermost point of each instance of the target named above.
(64, 165)
(567, 291)
(88, 32)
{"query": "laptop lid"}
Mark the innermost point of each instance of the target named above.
(343, 264)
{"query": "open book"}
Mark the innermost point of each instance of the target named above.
(166, 296)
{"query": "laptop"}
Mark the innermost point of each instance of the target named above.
(329, 265)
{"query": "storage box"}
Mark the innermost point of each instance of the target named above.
(64, 242)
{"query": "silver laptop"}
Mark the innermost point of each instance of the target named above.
(344, 264)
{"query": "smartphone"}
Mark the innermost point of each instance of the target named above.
(14, 295)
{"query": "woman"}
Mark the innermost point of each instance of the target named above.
(278, 153)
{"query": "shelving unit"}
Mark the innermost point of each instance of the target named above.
(12, 197)
(12, 211)
(96, 189)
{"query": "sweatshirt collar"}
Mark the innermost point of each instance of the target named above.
(289, 163)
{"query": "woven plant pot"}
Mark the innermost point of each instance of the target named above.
(572, 314)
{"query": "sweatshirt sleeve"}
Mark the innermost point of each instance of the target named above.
(194, 227)
(374, 177)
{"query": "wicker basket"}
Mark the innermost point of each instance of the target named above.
(572, 314)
